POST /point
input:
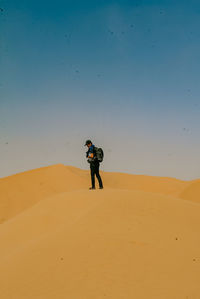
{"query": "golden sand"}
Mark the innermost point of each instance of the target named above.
(139, 237)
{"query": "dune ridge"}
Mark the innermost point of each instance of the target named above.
(22, 190)
(137, 238)
(192, 192)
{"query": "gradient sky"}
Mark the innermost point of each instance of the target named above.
(122, 73)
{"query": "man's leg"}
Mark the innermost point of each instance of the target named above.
(92, 171)
(98, 175)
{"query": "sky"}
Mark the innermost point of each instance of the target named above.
(124, 74)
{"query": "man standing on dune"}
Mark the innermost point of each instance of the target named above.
(91, 154)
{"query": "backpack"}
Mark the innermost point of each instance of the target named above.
(99, 154)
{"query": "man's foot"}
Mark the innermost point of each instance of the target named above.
(91, 188)
(101, 187)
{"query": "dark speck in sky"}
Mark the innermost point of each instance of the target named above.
(186, 130)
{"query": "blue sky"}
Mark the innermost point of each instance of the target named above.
(123, 73)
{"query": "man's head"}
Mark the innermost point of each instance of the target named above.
(88, 143)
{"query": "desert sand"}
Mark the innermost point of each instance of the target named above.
(139, 237)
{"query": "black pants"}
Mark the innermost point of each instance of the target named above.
(94, 169)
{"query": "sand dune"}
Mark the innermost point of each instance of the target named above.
(137, 238)
(192, 192)
(22, 190)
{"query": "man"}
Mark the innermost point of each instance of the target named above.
(94, 164)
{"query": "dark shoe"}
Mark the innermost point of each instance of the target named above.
(101, 187)
(92, 188)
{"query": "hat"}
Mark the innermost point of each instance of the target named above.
(88, 142)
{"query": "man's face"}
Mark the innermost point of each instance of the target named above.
(88, 145)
